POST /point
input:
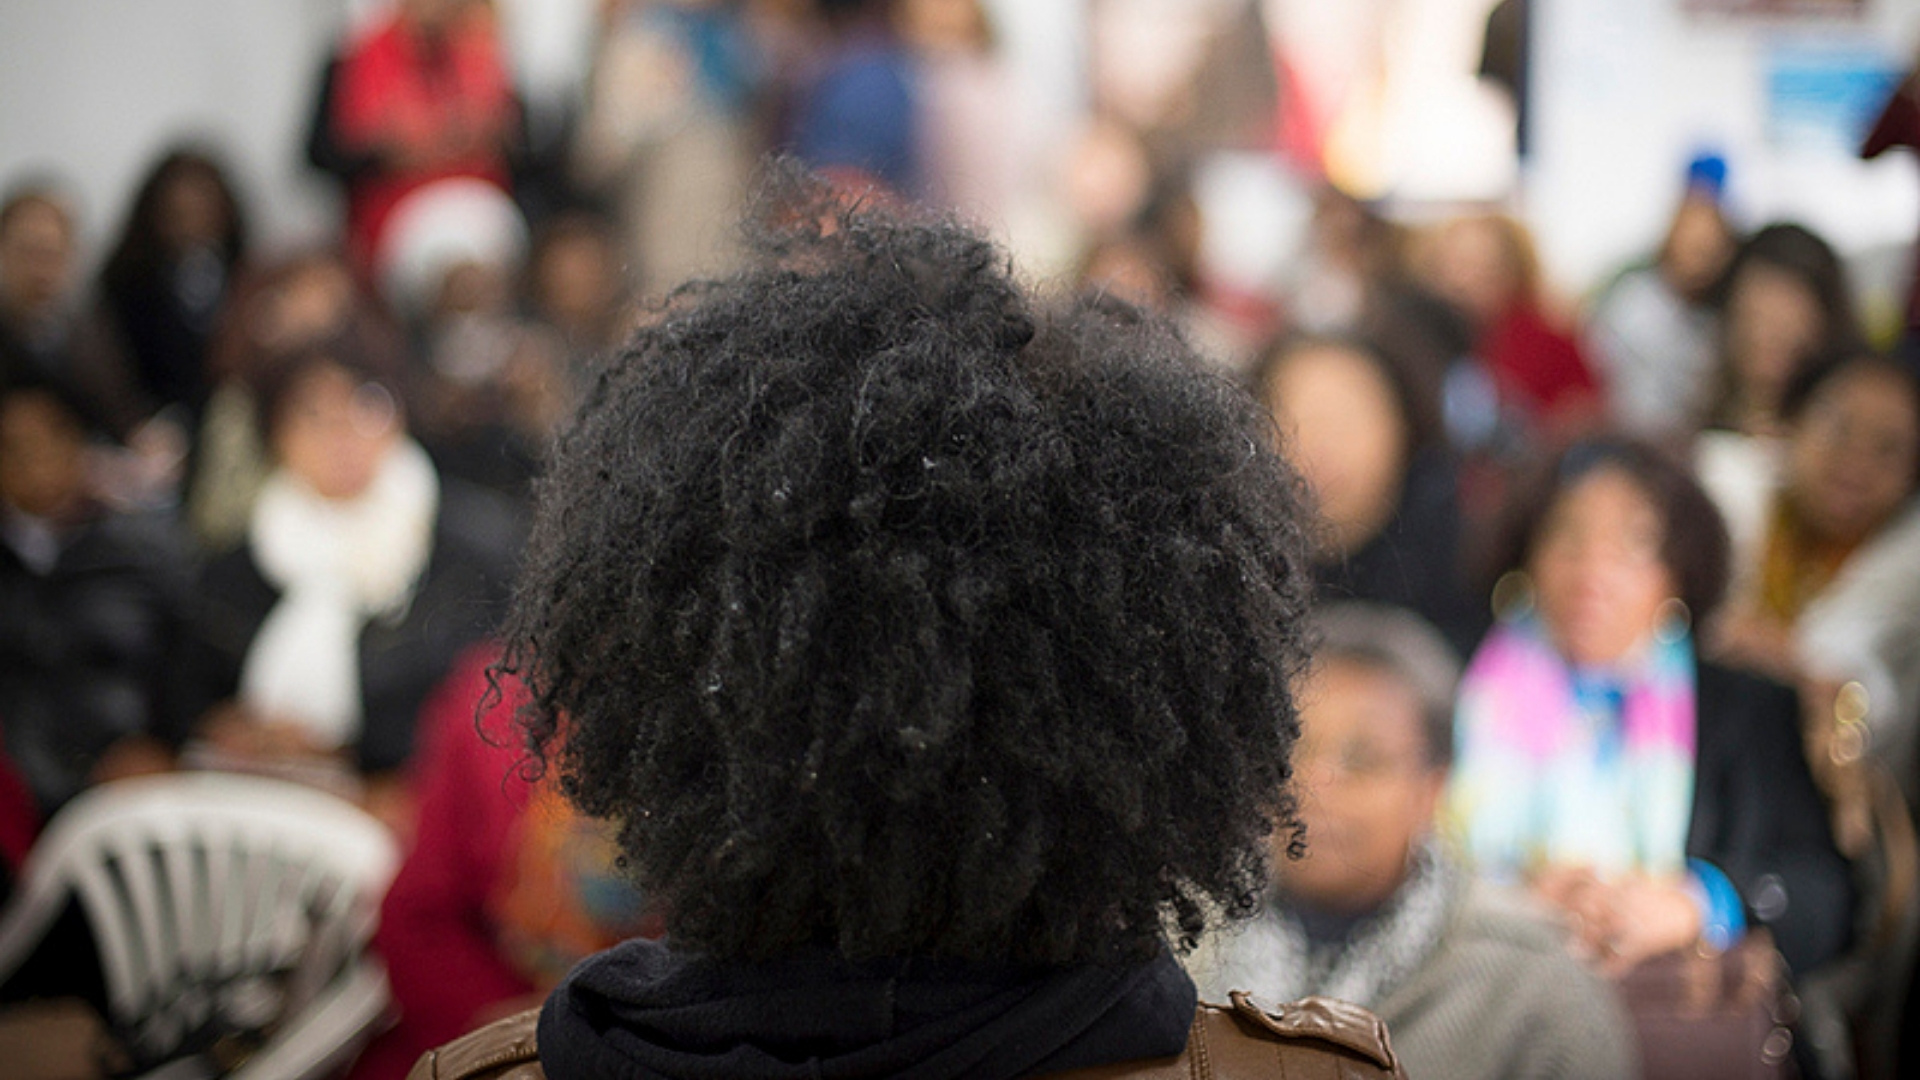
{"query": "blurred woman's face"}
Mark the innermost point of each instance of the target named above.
(1471, 267)
(1773, 320)
(1698, 248)
(335, 431)
(192, 212)
(1366, 785)
(1852, 454)
(1598, 575)
(36, 259)
(42, 455)
(1346, 434)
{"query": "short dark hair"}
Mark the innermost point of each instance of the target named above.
(278, 376)
(1694, 546)
(888, 610)
(1405, 647)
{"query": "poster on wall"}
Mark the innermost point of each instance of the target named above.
(1827, 8)
(1821, 99)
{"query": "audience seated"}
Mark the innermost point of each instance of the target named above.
(1659, 799)
(423, 95)
(90, 600)
(1651, 333)
(857, 119)
(255, 510)
(505, 888)
(1487, 267)
(487, 389)
(577, 290)
(275, 309)
(1785, 302)
(362, 576)
(1386, 489)
(169, 273)
(1826, 547)
(46, 330)
(666, 133)
(1473, 982)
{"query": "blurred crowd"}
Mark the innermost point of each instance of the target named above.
(1623, 645)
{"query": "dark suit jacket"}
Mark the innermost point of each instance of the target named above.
(1758, 817)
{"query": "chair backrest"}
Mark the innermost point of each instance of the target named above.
(220, 904)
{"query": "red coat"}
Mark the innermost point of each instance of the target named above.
(443, 959)
(447, 109)
(492, 891)
(19, 819)
(1538, 368)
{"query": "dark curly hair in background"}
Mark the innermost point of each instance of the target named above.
(889, 612)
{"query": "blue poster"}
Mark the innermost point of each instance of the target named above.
(1823, 98)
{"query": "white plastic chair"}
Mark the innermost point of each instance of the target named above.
(231, 914)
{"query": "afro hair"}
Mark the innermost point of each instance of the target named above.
(890, 610)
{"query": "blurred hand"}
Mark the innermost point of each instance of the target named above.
(1618, 924)
(1645, 918)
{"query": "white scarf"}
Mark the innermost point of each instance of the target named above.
(337, 564)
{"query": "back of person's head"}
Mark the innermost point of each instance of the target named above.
(890, 611)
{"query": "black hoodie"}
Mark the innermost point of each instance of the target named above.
(642, 1010)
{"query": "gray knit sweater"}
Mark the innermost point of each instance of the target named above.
(1496, 997)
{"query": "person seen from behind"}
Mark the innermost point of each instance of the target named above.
(932, 647)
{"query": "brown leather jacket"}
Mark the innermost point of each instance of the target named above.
(1313, 1039)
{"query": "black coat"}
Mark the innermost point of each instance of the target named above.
(81, 647)
(458, 601)
(1759, 818)
(1414, 562)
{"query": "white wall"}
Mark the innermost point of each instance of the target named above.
(95, 90)
(1627, 90)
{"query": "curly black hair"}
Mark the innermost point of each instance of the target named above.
(889, 611)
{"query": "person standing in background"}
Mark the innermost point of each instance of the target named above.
(857, 120)
(425, 95)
